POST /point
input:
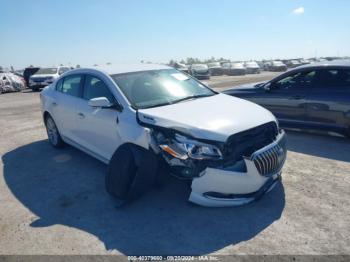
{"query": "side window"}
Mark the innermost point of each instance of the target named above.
(94, 87)
(59, 85)
(71, 85)
(298, 80)
(335, 78)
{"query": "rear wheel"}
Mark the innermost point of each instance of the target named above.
(35, 89)
(52, 133)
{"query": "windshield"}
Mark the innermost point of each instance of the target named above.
(147, 89)
(47, 71)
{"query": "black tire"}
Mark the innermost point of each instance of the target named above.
(53, 134)
(35, 89)
(131, 172)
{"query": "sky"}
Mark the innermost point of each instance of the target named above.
(87, 32)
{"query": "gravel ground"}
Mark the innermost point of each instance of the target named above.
(224, 82)
(54, 202)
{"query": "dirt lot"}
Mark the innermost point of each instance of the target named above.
(224, 82)
(54, 202)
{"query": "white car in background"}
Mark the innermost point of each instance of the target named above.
(46, 76)
(252, 67)
(140, 118)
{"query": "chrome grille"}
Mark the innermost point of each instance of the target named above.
(270, 159)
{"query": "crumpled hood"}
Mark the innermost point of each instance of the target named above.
(214, 118)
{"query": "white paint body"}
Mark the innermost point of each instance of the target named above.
(102, 130)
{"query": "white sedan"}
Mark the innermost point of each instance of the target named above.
(134, 117)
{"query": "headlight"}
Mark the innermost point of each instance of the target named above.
(181, 147)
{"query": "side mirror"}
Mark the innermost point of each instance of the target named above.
(101, 102)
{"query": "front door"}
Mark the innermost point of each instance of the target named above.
(287, 97)
(97, 127)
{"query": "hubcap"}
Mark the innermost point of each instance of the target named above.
(52, 132)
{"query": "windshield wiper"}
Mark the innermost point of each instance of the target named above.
(177, 101)
(190, 97)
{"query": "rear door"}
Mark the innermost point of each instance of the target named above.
(287, 97)
(329, 104)
(69, 91)
(97, 127)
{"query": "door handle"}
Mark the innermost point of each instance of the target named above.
(54, 103)
(81, 115)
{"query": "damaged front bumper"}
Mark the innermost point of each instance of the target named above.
(232, 187)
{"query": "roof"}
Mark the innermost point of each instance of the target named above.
(341, 63)
(127, 68)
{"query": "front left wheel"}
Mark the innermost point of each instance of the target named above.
(53, 134)
(131, 172)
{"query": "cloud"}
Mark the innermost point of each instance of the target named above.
(299, 11)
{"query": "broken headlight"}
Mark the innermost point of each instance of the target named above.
(181, 147)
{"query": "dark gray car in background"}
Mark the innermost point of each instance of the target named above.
(277, 66)
(252, 67)
(315, 96)
(215, 69)
(235, 69)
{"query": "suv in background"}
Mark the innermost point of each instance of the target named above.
(46, 76)
(28, 72)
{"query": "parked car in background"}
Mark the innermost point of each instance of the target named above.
(28, 72)
(252, 67)
(303, 61)
(260, 64)
(267, 65)
(277, 66)
(135, 117)
(315, 96)
(235, 69)
(46, 76)
(182, 67)
(226, 66)
(200, 71)
(215, 69)
(292, 63)
(10, 82)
